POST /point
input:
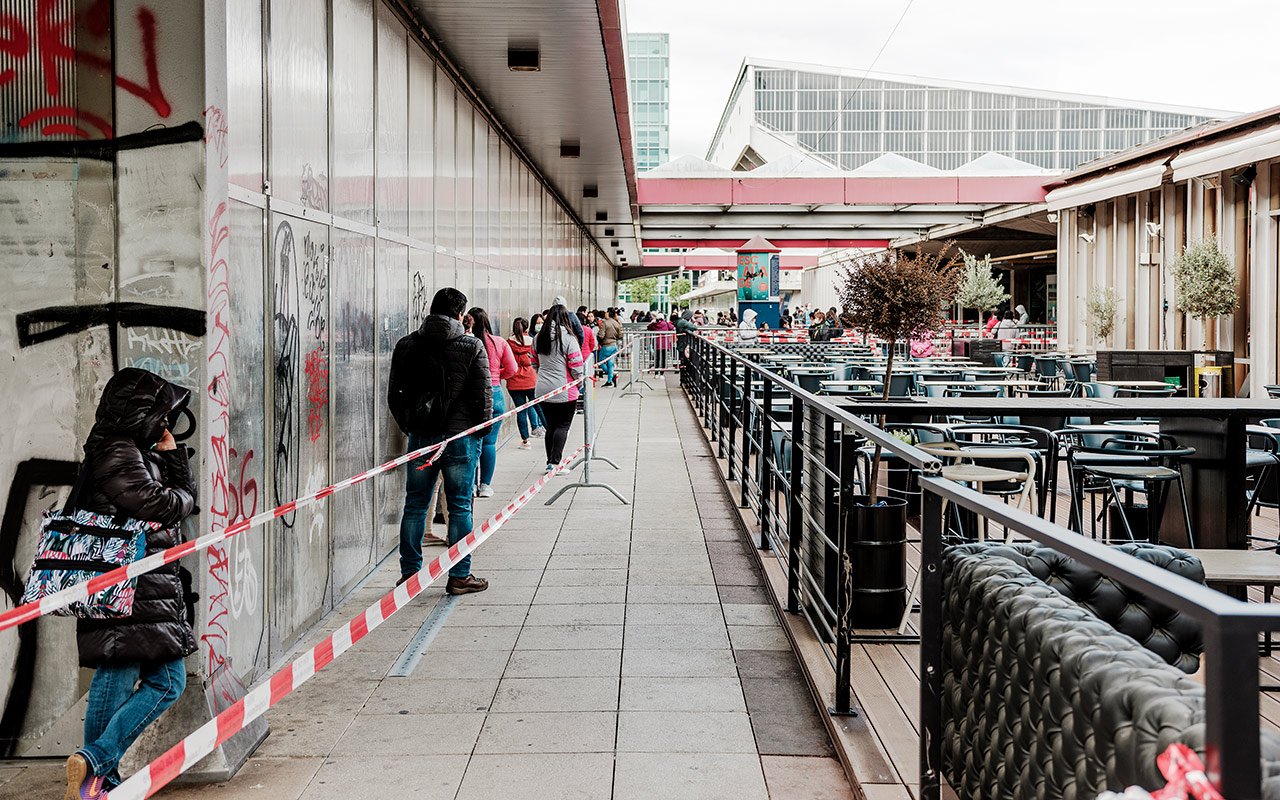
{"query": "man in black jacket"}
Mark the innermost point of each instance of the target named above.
(440, 386)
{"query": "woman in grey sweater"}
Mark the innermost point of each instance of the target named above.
(558, 357)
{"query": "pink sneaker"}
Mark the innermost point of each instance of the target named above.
(81, 785)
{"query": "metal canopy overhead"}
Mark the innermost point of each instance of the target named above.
(579, 94)
(1013, 236)
(846, 210)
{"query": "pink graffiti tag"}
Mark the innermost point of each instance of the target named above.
(214, 636)
(215, 132)
(317, 369)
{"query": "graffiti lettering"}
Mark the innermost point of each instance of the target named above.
(286, 484)
(41, 478)
(315, 189)
(215, 132)
(53, 43)
(243, 494)
(177, 372)
(315, 284)
(315, 482)
(218, 393)
(317, 370)
(419, 304)
(169, 343)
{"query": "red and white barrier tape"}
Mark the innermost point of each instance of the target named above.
(186, 753)
(47, 605)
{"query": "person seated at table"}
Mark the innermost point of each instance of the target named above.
(993, 320)
(922, 348)
(1023, 317)
(819, 331)
(1007, 327)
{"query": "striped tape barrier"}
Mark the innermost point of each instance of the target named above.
(50, 603)
(198, 744)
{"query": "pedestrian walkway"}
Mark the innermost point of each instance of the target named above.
(624, 652)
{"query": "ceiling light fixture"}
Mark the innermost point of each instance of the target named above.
(1245, 176)
(590, 190)
(602, 216)
(524, 56)
(570, 148)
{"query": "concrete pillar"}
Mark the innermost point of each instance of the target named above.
(115, 194)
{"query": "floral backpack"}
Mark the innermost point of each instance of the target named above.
(76, 546)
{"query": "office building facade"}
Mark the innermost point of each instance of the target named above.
(649, 73)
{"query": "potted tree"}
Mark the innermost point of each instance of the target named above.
(979, 286)
(1100, 311)
(1204, 283)
(894, 297)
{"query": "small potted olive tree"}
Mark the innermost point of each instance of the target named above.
(1204, 282)
(894, 297)
(979, 286)
(1100, 312)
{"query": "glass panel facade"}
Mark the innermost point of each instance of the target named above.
(849, 122)
(423, 193)
(649, 72)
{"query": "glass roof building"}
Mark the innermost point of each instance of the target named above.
(649, 72)
(847, 118)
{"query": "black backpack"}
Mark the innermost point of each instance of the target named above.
(417, 392)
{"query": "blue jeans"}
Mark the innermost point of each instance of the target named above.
(458, 465)
(489, 445)
(123, 700)
(604, 353)
(531, 417)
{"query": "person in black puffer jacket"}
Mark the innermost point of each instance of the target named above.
(440, 385)
(135, 470)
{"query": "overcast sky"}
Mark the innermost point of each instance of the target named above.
(1208, 53)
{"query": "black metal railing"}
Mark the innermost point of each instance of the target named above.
(799, 472)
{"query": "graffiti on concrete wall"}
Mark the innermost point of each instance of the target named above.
(46, 49)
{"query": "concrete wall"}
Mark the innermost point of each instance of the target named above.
(280, 243)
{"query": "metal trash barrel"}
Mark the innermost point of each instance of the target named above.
(876, 539)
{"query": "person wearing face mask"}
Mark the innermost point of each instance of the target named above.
(133, 468)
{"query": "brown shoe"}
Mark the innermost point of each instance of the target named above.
(77, 771)
(468, 585)
(429, 539)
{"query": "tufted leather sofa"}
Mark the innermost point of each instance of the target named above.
(1044, 696)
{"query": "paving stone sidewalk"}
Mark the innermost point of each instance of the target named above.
(623, 652)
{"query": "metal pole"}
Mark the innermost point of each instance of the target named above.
(588, 439)
(844, 593)
(733, 420)
(1232, 752)
(637, 344)
(931, 720)
(766, 464)
(795, 526)
(746, 438)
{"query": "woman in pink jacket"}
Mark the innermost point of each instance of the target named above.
(502, 365)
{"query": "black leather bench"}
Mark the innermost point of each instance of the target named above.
(1060, 683)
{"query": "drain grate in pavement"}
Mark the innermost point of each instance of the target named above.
(417, 647)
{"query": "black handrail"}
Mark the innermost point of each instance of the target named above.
(1230, 626)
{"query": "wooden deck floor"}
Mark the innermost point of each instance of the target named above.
(880, 746)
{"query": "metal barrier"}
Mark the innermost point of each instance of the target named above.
(797, 476)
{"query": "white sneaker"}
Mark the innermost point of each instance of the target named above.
(485, 490)
(538, 433)
(524, 445)
(563, 471)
